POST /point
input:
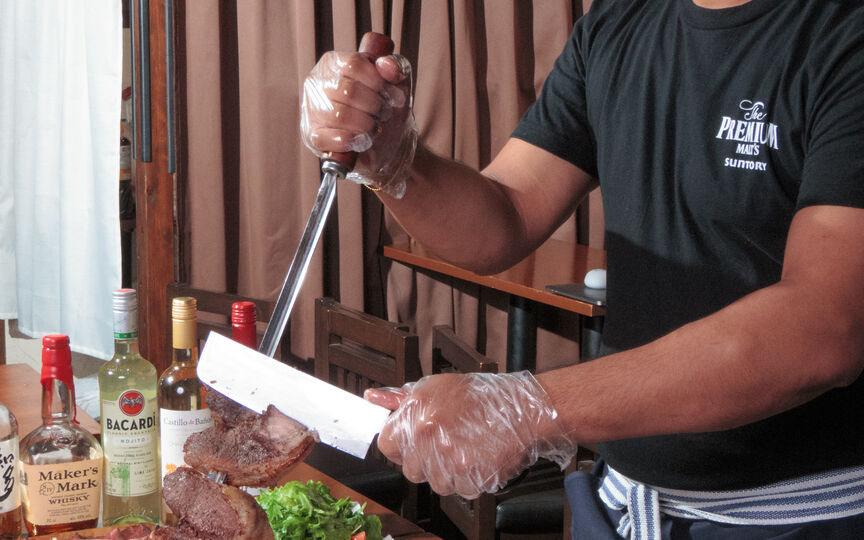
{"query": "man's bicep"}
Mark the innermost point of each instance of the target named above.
(544, 188)
(824, 262)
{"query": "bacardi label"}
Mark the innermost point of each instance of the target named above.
(129, 437)
(62, 492)
(175, 428)
(10, 495)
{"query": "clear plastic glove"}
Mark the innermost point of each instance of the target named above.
(470, 433)
(352, 104)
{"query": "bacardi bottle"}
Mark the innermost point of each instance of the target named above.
(130, 428)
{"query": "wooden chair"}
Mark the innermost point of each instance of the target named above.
(532, 505)
(356, 351)
(214, 314)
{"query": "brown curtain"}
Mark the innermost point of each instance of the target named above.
(249, 183)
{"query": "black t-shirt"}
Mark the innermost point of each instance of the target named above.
(708, 130)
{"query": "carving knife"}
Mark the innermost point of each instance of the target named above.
(255, 380)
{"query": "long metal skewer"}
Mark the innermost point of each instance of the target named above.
(300, 264)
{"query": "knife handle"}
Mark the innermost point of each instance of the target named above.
(374, 46)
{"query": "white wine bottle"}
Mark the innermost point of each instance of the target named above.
(130, 429)
(182, 406)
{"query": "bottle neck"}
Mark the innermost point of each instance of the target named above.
(125, 331)
(185, 341)
(244, 334)
(185, 356)
(58, 402)
(126, 347)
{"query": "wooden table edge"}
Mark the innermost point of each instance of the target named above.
(405, 256)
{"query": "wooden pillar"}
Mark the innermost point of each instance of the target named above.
(154, 182)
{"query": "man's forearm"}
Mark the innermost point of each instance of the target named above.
(751, 360)
(459, 214)
(489, 221)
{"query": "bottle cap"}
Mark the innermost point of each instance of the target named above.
(124, 300)
(57, 361)
(184, 308)
(243, 313)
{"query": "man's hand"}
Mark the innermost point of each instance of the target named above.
(352, 104)
(470, 433)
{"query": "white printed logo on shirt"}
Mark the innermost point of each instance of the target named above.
(750, 134)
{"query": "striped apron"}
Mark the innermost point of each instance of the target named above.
(825, 496)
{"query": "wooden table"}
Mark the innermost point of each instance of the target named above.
(392, 524)
(21, 392)
(555, 262)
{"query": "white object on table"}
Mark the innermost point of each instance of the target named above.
(596, 279)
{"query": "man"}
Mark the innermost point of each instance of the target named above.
(727, 138)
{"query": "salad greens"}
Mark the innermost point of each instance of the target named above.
(298, 511)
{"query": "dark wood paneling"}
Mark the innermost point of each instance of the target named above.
(154, 199)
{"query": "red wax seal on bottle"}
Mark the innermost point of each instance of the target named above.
(57, 362)
(243, 323)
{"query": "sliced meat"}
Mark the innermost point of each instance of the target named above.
(184, 531)
(208, 510)
(227, 412)
(254, 450)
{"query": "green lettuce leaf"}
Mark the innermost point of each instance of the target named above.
(298, 511)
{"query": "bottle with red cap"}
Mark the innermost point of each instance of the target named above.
(243, 324)
(61, 462)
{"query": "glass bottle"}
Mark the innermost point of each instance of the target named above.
(130, 430)
(243, 323)
(10, 491)
(61, 462)
(182, 406)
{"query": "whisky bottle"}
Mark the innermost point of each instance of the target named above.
(61, 462)
(130, 429)
(182, 408)
(243, 323)
(10, 490)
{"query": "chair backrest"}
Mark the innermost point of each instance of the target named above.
(477, 518)
(356, 351)
(451, 353)
(214, 312)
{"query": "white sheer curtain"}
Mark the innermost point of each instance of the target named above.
(60, 86)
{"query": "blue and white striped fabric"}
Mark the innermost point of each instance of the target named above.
(830, 495)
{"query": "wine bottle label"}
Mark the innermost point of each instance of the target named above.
(10, 495)
(62, 492)
(175, 427)
(125, 162)
(129, 435)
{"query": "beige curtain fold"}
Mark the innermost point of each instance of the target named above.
(251, 186)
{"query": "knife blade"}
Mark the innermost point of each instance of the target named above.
(255, 380)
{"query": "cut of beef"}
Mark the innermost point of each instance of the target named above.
(252, 449)
(227, 412)
(208, 510)
(183, 531)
